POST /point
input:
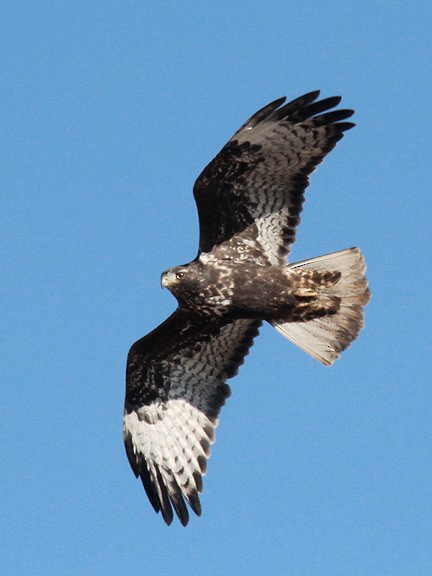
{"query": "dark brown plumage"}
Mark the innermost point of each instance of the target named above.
(249, 200)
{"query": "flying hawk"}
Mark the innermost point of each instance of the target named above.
(249, 200)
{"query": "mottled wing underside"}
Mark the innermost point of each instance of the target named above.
(251, 195)
(175, 389)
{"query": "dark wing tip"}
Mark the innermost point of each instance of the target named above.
(308, 108)
(305, 107)
(344, 126)
(176, 496)
(332, 117)
(164, 498)
(165, 504)
(294, 105)
(262, 113)
(194, 502)
(313, 95)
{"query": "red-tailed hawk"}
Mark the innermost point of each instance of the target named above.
(249, 199)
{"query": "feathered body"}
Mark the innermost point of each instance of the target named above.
(249, 200)
(225, 289)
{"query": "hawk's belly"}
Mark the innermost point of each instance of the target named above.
(265, 294)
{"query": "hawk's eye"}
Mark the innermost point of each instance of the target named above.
(179, 275)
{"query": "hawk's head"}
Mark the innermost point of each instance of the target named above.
(184, 282)
(174, 276)
(198, 287)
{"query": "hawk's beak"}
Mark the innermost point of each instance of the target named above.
(167, 279)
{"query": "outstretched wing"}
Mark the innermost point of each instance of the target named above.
(175, 388)
(252, 193)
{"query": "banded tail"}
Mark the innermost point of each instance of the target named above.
(326, 337)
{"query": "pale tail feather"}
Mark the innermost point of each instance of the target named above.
(326, 337)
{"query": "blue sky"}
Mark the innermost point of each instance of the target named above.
(109, 112)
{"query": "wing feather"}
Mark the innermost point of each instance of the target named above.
(250, 197)
(175, 388)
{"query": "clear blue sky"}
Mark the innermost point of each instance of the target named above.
(109, 112)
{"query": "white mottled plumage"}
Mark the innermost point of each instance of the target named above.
(172, 435)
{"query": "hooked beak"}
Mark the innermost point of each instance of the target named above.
(167, 279)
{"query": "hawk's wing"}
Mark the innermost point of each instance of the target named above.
(255, 184)
(175, 388)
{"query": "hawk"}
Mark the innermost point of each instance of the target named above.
(249, 200)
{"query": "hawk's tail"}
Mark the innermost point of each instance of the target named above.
(326, 337)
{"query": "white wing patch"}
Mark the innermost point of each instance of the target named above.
(175, 437)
